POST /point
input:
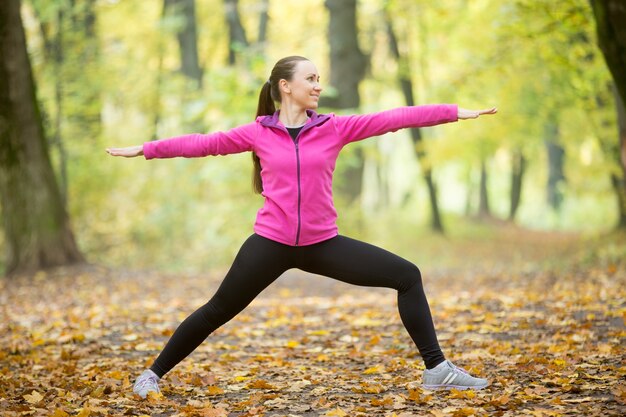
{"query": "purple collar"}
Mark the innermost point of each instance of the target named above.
(315, 119)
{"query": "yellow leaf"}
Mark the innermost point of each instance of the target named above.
(98, 392)
(292, 344)
(33, 398)
(154, 397)
(318, 332)
(416, 396)
(213, 390)
(463, 394)
(214, 412)
(337, 412)
(464, 412)
(374, 370)
(241, 378)
(261, 384)
(379, 403)
(370, 388)
(374, 340)
(60, 413)
(84, 412)
(116, 375)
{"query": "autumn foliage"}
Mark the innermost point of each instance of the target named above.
(541, 315)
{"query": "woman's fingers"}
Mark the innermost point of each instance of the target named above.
(116, 151)
(492, 110)
(473, 114)
(128, 152)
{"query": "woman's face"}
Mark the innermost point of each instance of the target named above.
(304, 89)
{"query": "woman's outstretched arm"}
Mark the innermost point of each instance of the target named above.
(357, 127)
(236, 140)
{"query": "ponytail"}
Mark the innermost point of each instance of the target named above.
(266, 107)
(284, 69)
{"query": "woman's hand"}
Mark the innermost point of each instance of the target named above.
(473, 114)
(128, 152)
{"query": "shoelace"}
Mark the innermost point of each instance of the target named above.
(458, 368)
(143, 382)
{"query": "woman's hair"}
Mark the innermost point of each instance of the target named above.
(283, 69)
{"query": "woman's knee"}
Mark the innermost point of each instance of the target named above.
(410, 277)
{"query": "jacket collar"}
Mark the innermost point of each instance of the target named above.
(314, 120)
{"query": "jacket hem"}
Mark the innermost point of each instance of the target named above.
(292, 242)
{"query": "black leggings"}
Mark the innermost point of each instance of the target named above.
(261, 261)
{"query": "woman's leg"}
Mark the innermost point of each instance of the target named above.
(360, 263)
(260, 262)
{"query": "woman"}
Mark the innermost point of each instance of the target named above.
(294, 152)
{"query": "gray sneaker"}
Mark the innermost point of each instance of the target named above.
(147, 382)
(446, 375)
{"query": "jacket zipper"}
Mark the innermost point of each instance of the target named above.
(284, 129)
(299, 189)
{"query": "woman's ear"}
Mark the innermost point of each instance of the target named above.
(284, 86)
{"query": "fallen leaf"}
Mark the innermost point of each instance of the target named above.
(33, 398)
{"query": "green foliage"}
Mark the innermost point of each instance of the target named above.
(122, 86)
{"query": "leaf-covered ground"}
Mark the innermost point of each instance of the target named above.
(541, 315)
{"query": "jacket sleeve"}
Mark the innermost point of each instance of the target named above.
(237, 140)
(358, 127)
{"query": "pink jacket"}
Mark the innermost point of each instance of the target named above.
(297, 175)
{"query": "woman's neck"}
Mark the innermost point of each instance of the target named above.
(292, 116)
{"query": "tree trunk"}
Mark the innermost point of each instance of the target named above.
(556, 157)
(610, 16)
(36, 224)
(484, 210)
(347, 62)
(518, 167)
(263, 21)
(57, 141)
(158, 82)
(80, 67)
(71, 46)
(347, 69)
(236, 32)
(187, 38)
(619, 184)
(407, 90)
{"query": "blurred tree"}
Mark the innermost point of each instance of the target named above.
(237, 39)
(556, 158)
(610, 16)
(406, 84)
(347, 68)
(36, 224)
(53, 52)
(484, 209)
(619, 184)
(263, 22)
(185, 12)
(347, 63)
(179, 16)
(156, 107)
(518, 168)
(71, 46)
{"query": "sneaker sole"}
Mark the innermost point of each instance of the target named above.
(459, 387)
